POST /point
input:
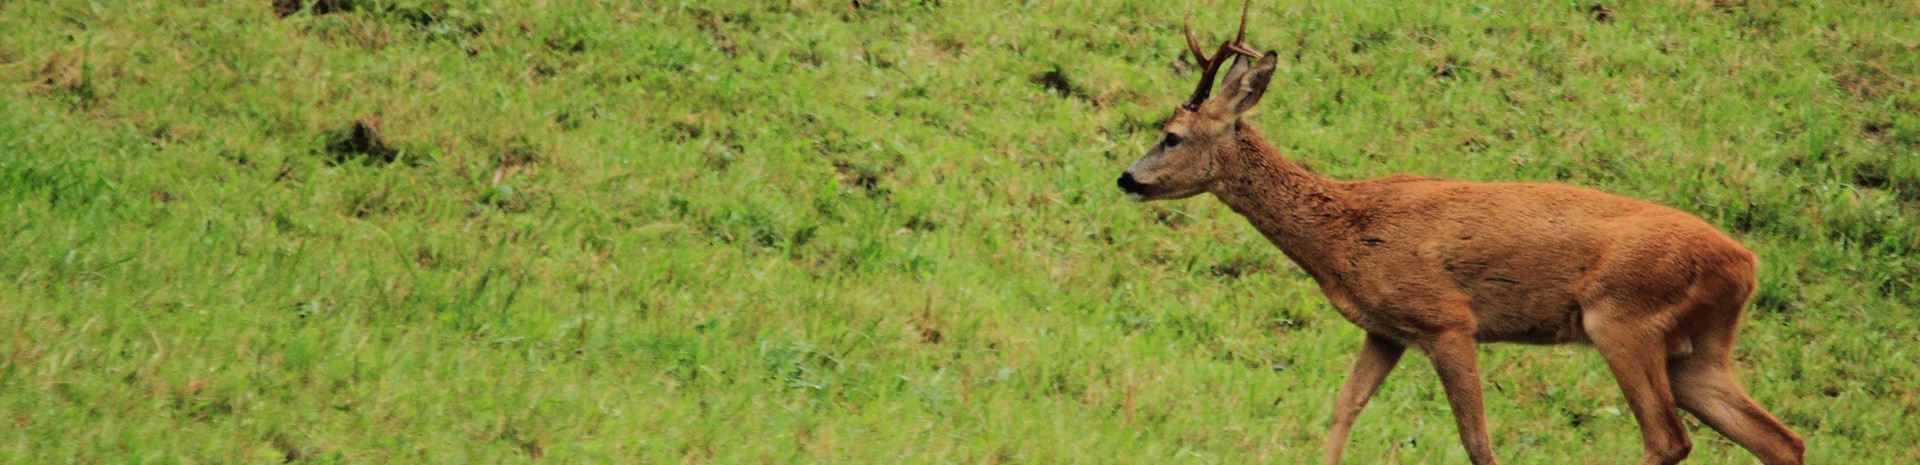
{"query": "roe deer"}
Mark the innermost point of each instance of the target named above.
(1441, 265)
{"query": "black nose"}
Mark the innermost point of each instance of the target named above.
(1129, 185)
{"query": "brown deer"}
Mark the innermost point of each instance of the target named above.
(1442, 265)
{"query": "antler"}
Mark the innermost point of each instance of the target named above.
(1212, 63)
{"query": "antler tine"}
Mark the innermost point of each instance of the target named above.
(1205, 88)
(1244, 50)
(1242, 36)
(1211, 63)
(1193, 45)
(1240, 39)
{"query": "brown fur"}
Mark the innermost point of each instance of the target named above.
(1442, 265)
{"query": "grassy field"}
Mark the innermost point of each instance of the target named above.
(405, 231)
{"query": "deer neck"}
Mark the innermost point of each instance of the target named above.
(1302, 213)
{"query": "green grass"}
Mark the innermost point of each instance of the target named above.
(800, 232)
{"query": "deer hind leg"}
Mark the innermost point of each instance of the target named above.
(1377, 357)
(1704, 385)
(1635, 346)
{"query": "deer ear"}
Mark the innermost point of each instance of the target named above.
(1234, 73)
(1244, 86)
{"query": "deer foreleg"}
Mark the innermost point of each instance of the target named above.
(1453, 358)
(1378, 355)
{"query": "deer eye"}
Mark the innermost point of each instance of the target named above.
(1170, 141)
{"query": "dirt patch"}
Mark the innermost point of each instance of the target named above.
(686, 128)
(713, 23)
(1872, 70)
(922, 222)
(864, 177)
(360, 141)
(881, 4)
(954, 46)
(568, 44)
(1170, 218)
(65, 75)
(1239, 267)
(1451, 68)
(1056, 82)
(518, 153)
(1875, 174)
(1875, 128)
(61, 71)
(285, 8)
(1600, 13)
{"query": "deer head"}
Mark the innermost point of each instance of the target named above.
(1205, 127)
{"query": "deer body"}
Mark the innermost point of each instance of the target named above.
(1513, 256)
(1441, 266)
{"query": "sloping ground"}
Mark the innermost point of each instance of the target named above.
(879, 232)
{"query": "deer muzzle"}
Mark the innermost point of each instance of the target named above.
(1133, 187)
